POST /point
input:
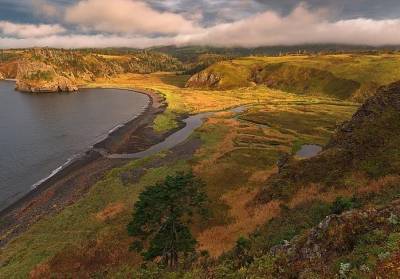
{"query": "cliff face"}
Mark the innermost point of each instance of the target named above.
(38, 77)
(58, 84)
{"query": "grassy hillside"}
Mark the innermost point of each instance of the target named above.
(345, 76)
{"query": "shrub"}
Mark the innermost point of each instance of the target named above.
(342, 204)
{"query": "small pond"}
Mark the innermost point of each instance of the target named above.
(308, 151)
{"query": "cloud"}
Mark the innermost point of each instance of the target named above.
(44, 8)
(82, 41)
(301, 26)
(126, 16)
(30, 30)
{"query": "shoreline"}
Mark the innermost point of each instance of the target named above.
(86, 155)
(85, 171)
(71, 161)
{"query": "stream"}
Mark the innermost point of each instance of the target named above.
(192, 123)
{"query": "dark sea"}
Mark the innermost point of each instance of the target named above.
(39, 133)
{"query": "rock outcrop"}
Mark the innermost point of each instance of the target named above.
(38, 77)
(204, 79)
(59, 84)
(338, 235)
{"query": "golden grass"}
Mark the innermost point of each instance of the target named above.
(110, 211)
(312, 192)
(224, 146)
(261, 176)
(192, 100)
(219, 239)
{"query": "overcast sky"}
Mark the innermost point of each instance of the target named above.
(246, 23)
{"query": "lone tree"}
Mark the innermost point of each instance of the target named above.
(161, 216)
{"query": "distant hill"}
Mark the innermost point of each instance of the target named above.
(190, 53)
(45, 69)
(342, 76)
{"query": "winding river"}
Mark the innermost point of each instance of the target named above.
(191, 123)
(41, 132)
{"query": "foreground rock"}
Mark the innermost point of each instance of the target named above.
(38, 77)
(337, 235)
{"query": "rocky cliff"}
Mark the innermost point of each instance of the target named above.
(39, 77)
(204, 79)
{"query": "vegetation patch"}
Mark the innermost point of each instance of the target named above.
(165, 122)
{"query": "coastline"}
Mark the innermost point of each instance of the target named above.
(75, 178)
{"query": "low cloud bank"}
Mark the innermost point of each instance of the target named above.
(30, 30)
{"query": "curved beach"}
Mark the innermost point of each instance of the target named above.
(75, 178)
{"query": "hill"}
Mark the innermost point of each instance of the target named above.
(45, 69)
(190, 53)
(346, 76)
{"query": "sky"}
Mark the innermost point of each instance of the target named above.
(227, 23)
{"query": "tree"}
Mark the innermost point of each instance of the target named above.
(162, 214)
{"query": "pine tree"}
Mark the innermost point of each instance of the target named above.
(161, 217)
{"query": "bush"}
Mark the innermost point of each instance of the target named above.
(342, 204)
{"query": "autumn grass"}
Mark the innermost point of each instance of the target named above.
(244, 150)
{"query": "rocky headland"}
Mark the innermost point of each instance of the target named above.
(38, 77)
